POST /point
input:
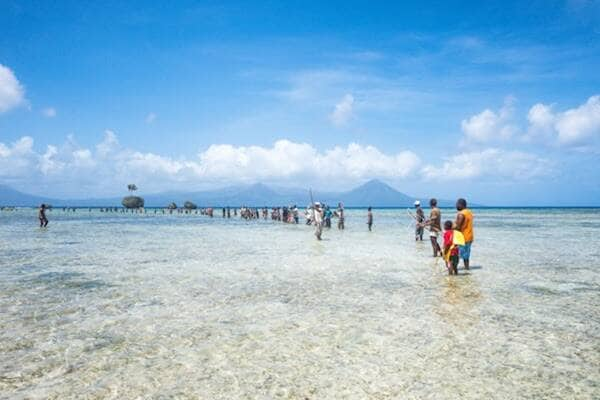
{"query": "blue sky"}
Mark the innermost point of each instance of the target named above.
(497, 102)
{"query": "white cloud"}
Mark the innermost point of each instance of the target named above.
(16, 160)
(574, 127)
(49, 112)
(490, 126)
(109, 144)
(49, 162)
(541, 122)
(150, 118)
(287, 160)
(12, 93)
(491, 162)
(343, 110)
(69, 167)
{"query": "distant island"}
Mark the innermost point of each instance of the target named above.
(372, 193)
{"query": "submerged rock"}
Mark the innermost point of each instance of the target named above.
(188, 205)
(172, 206)
(132, 202)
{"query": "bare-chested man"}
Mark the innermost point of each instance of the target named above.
(434, 223)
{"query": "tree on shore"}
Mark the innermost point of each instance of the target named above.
(132, 187)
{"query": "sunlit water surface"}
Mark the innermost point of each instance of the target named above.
(182, 306)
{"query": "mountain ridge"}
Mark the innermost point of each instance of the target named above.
(373, 193)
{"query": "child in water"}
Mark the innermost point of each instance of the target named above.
(369, 218)
(450, 249)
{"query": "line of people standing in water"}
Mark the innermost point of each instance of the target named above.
(457, 235)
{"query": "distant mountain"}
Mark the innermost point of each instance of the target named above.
(373, 193)
(376, 193)
(11, 197)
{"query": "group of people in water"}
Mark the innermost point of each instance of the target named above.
(457, 236)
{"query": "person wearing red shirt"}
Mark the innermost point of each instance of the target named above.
(450, 249)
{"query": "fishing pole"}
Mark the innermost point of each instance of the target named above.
(417, 221)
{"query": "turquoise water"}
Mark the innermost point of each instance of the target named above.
(183, 306)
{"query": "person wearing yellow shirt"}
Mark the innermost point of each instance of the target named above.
(464, 224)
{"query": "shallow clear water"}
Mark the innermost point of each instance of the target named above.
(182, 306)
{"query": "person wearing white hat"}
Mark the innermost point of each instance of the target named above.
(420, 218)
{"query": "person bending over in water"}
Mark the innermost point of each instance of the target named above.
(369, 218)
(450, 249)
(42, 216)
(434, 223)
(464, 224)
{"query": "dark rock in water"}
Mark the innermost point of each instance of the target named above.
(189, 205)
(172, 206)
(132, 202)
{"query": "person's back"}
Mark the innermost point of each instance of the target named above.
(467, 226)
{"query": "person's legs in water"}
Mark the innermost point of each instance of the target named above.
(434, 244)
(419, 233)
(454, 265)
(465, 254)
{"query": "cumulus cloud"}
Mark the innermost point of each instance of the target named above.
(287, 160)
(579, 124)
(541, 122)
(109, 144)
(491, 162)
(574, 127)
(490, 126)
(12, 93)
(110, 165)
(342, 113)
(17, 159)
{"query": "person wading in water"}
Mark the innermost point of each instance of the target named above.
(464, 224)
(420, 218)
(42, 216)
(318, 220)
(434, 223)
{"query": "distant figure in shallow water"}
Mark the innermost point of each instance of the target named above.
(420, 218)
(318, 220)
(340, 214)
(42, 216)
(370, 218)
